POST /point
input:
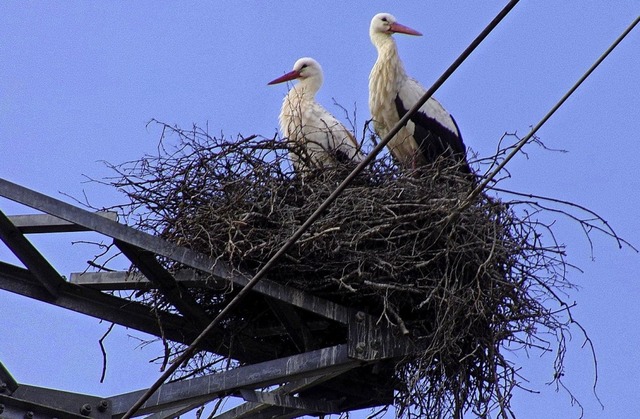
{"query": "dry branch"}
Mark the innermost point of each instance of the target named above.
(469, 290)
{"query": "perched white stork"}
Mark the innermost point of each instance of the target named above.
(432, 132)
(319, 139)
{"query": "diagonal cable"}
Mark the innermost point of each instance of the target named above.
(467, 202)
(313, 217)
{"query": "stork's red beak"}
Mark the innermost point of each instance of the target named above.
(398, 28)
(289, 76)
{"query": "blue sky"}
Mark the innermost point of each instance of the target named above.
(80, 80)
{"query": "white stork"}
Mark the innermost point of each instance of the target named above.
(320, 140)
(431, 132)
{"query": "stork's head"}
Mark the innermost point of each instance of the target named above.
(306, 70)
(386, 24)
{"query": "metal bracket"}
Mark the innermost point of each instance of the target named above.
(39, 402)
(282, 400)
(371, 340)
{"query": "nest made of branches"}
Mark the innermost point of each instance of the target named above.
(468, 288)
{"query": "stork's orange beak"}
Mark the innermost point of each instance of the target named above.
(292, 75)
(398, 28)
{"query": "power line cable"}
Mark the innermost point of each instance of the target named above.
(313, 217)
(544, 119)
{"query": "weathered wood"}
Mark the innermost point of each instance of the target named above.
(30, 257)
(203, 389)
(45, 223)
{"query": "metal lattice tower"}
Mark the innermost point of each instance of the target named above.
(355, 371)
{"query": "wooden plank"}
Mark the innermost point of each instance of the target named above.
(298, 298)
(45, 223)
(174, 412)
(111, 281)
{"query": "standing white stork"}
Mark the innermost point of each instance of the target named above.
(432, 132)
(319, 139)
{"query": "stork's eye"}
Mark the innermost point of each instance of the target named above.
(304, 66)
(384, 19)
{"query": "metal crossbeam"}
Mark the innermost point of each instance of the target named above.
(297, 330)
(81, 405)
(125, 312)
(29, 256)
(7, 382)
(13, 408)
(203, 389)
(251, 409)
(24, 401)
(158, 246)
(318, 378)
(45, 223)
(130, 280)
(282, 400)
(176, 293)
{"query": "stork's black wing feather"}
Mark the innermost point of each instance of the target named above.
(434, 139)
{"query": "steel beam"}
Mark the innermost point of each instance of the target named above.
(371, 339)
(128, 280)
(174, 412)
(94, 222)
(250, 409)
(7, 383)
(295, 327)
(13, 408)
(125, 312)
(283, 400)
(82, 405)
(115, 230)
(45, 223)
(203, 389)
(30, 257)
(176, 294)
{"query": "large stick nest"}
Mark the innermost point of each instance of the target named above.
(467, 287)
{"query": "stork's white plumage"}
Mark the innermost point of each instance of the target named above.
(319, 139)
(432, 132)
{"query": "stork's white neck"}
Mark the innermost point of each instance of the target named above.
(385, 80)
(308, 87)
(388, 62)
